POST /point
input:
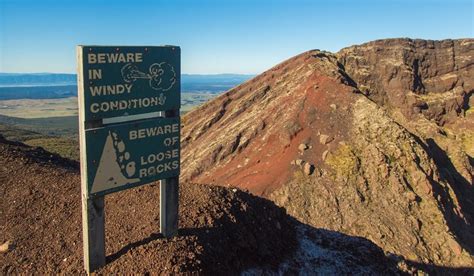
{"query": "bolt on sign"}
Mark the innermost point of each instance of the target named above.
(115, 82)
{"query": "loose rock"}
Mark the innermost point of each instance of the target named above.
(325, 154)
(317, 172)
(5, 247)
(299, 162)
(325, 139)
(308, 168)
(302, 147)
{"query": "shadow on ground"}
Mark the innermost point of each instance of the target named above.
(460, 217)
(250, 239)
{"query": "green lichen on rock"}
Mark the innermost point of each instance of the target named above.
(343, 162)
(467, 139)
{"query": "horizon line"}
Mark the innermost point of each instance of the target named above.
(63, 73)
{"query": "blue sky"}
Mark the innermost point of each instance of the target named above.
(215, 36)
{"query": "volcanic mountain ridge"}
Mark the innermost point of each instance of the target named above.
(375, 140)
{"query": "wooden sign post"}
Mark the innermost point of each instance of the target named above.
(124, 142)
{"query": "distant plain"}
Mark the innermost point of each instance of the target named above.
(45, 108)
(42, 109)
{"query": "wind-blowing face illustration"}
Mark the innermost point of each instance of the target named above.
(161, 76)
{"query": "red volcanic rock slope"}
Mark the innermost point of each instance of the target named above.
(375, 141)
(248, 136)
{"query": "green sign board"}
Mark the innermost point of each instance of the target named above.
(114, 82)
(121, 81)
(125, 155)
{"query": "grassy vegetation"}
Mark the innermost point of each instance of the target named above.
(16, 134)
(65, 147)
(192, 100)
(54, 126)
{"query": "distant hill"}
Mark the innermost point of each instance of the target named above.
(211, 83)
(38, 92)
(53, 86)
(50, 86)
(36, 79)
